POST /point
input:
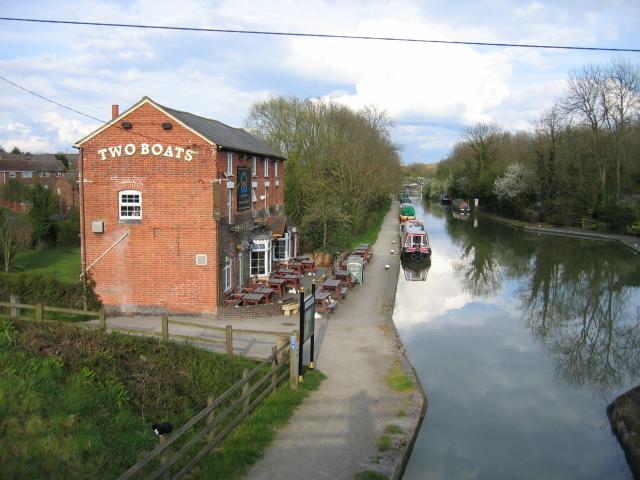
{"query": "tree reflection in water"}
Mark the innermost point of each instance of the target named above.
(579, 298)
(580, 307)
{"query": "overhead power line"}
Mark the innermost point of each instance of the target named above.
(320, 35)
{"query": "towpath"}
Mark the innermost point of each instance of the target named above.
(333, 433)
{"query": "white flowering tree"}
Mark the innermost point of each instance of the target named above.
(514, 186)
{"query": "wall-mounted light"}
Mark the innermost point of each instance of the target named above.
(126, 125)
(167, 126)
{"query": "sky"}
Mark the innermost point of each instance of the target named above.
(432, 92)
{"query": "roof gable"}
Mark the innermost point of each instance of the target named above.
(212, 131)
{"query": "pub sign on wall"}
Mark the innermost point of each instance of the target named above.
(244, 188)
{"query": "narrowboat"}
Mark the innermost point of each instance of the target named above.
(414, 240)
(461, 206)
(407, 212)
(445, 199)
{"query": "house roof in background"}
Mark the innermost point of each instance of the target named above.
(22, 162)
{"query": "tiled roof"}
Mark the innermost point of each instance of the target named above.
(45, 162)
(223, 135)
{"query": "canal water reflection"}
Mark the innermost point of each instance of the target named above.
(520, 342)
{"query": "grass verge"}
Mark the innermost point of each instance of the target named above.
(397, 379)
(60, 263)
(370, 475)
(76, 403)
(370, 235)
(384, 443)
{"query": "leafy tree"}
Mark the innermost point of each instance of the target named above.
(16, 150)
(15, 191)
(63, 159)
(44, 204)
(1, 149)
(14, 235)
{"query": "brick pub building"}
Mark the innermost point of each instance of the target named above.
(177, 210)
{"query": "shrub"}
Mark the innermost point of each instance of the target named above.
(32, 288)
(68, 231)
(616, 215)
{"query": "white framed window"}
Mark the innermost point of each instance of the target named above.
(227, 274)
(229, 203)
(254, 166)
(26, 174)
(59, 174)
(12, 174)
(281, 248)
(275, 168)
(260, 257)
(229, 163)
(266, 167)
(45, 174)
(266, 197)
(130, 205)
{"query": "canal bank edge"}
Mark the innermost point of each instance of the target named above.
(624, 416)
(633, 243)
(418, 397)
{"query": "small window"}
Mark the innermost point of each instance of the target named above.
(266, 197)
(254, 167)
(266, 167)
(12, 174)
(275, 168)
(227, 274)
(229, 163)
(130, 204)
(59, 174)
(26, 174)
(45, 174)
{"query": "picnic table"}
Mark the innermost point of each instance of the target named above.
(292, 281)
(361, 252)
(266, 291)
(252, 298)
(300, 258)
(278, 284)
(345, 278)
(297, 267)
(308, 266)
(324, 303)
(285, 271)
(334, 285)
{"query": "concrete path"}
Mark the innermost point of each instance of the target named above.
(333, 433)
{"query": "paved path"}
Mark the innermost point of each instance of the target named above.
(332, 435)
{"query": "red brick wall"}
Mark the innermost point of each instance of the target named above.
(153, 268)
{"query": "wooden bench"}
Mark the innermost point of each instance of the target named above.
(290, 309)
(326, 306)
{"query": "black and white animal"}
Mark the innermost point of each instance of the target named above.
(162, 428)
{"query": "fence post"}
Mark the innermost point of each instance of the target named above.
(163, 458)
(15, 311)
(274, 365)
(245, 388)
(229, 340)
(293, 364)
(165, 327)
(281, 340)
(210, 418)
(39, 312)
(103, 321)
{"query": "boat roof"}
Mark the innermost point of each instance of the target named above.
(416, 230)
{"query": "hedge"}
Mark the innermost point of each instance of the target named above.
(33, 288)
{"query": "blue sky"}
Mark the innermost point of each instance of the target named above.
(432, 92)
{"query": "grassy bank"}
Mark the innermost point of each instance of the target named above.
(60, 263)
(80, 404)
(370, 235)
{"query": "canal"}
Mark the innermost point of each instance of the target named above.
(520, 342)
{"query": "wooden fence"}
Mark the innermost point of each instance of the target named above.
(164, 322)
(179, 452)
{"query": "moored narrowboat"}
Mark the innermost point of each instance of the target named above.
(461, 206)
(407, 212)
(414, 240)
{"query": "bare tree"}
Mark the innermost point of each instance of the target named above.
(13, 236)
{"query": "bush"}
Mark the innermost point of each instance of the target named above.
(616, 216)
(68, 231)
(32, 289)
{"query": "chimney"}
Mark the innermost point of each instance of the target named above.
(115, 111)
